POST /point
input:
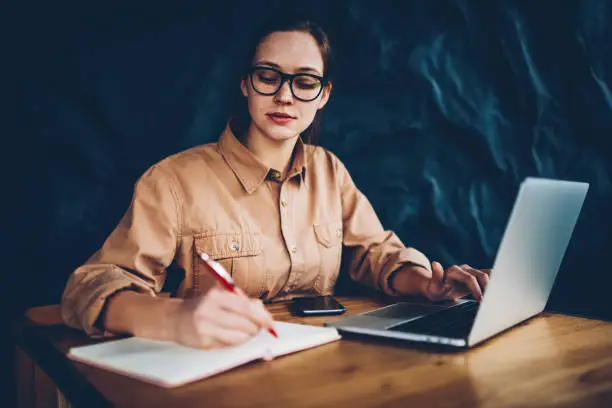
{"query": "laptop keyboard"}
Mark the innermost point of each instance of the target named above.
(454, 322)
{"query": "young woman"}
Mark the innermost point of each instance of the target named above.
(275, 210)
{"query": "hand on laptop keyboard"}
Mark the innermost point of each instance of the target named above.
(456, 282)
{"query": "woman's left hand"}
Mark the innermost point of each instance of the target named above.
(455, 282)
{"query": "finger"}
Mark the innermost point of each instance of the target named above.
(233, 321)
(437, 289)
(219, 294)
(456, 274)
(260, 315)
(207, 335)
(240, 292)
(251, 309)
(213, 344)
(233, 302)
(483, 278)
(452, 290)
(437, 273)
(229, 337)
(457, 293)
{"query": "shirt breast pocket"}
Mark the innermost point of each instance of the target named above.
(329, 240)
(240, 254)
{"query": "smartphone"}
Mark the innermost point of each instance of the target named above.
(317, 306)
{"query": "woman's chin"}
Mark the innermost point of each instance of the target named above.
(281, 134)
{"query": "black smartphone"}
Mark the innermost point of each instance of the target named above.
(317, 306)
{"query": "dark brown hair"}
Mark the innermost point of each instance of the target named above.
(241, 119)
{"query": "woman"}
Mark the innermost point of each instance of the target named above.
(275, 211)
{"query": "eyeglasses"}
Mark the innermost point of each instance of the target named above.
(304, 87)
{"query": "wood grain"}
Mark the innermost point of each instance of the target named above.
(552, 360)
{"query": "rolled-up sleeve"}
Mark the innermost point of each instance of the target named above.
(135, 255)
(374, 252)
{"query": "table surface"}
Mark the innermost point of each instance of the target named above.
(550, 360)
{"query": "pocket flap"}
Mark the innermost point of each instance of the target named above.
(329, 234)
(220, 245)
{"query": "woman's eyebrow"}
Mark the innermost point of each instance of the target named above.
(301, 69)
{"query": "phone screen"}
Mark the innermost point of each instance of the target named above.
(317, 305)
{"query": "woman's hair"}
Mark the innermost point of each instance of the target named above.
(241, 118)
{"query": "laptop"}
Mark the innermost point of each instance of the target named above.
(525, 268)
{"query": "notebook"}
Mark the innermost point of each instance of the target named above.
(168, 364)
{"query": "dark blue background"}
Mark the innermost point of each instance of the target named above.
(439, 110)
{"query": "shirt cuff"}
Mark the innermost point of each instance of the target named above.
(82, 309)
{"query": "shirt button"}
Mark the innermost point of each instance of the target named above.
(235, 246)
(293, 249)
(338, 232)
(283, 203)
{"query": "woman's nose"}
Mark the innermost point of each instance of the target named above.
(284, 93)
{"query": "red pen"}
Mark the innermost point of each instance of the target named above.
(224, 278)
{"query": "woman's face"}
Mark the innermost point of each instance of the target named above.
(290, 52)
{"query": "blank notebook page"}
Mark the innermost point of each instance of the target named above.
(169, 364)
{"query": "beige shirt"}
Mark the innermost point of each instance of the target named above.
(277, 238)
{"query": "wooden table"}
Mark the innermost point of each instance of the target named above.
(551, 360)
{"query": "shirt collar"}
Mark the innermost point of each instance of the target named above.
(249, 170)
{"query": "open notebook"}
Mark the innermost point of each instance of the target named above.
(169, 364)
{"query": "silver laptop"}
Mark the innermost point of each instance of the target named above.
(524, 271)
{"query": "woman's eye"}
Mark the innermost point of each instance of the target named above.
(306, 83)
(267, 78)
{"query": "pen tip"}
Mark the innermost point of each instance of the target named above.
(273, 332)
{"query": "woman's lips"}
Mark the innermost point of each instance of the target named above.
(281, 120)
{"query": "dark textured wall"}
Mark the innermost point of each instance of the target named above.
(439, 110)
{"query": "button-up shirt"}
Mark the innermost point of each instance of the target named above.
(278, 238)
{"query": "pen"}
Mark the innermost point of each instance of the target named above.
(224, 278)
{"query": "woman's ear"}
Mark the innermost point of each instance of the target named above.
(325, 95)
(243, 88)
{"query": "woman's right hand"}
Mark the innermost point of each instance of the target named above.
(219, 318)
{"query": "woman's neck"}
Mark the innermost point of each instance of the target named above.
(275, 154)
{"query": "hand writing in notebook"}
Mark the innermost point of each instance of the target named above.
(226, 280)
(220, 318)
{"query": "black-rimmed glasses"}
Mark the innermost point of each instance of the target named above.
(304, 87)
